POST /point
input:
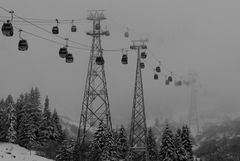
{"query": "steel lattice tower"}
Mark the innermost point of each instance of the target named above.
(193, 114)
(95, 104)
(138, 132)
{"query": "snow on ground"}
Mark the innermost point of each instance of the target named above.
(14, 152)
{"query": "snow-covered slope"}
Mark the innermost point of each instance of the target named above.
(13, 152)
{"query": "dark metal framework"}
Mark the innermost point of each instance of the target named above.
(193, 113)
(138, 132)
(95, 104)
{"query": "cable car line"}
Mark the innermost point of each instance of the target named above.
(43, 29)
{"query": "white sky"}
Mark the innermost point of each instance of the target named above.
(187, 35)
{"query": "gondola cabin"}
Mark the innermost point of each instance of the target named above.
(7, 29)
(142, 65)
(180, 83)
(167, 82)
(158, 69)
(144, 46)
(126, 34)
(69, 58)
(170, 79)
(155, 77)
(124, 59)
(97, 26)
(55, 30)
(107, 33)
(74, 28)
(63, 52)
(143, 55)
(99, 60)
(22, 45)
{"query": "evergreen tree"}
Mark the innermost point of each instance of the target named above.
(65, 152)
(181, 154)
(98, 143)
(122, 143)
(152, 146)
(57, 133)
(46, 126)
(12, 134)
(30, 119)
(3, 121)
(187, 142)
(167, 146)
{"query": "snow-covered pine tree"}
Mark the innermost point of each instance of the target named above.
(109, 151)
(167, 148)
(98, 143)
(46, 126)
(187, 142)
(3, 121)
(152, 146)
(122, 143)
(57, 128)
(65, 152)
(181, 154)
(30, 118)
(12, 134)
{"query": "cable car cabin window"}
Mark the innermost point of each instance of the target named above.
(155, 76)
(99, 60)
(74, 28)
(167, 82)
(63, 52)
(22, 45)
(143, 55)
(55, 30)
(170, 79)
(7, 29)
(142, 65)
(69, 58)
(124, 59)
(158, 69)
(126, 34)
(97, 26)
(107, 33)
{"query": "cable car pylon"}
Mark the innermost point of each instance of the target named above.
(138, 131)
(95, 104)
(193, 112)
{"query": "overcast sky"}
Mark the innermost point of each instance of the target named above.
(186, 35)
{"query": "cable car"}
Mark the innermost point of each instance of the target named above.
(69, 58)
(97, 26)
(180, 83)
(99, 60)
(63, 52)
(22, 45)
(74, 28)
(7, 28)
(144, 46)
(170, 79)
(158, 69)
(124, 59)
(126, 34)
(156, 76)
(143, 55)
(107, 33)
(55, 30)
(142, 65)
(167, 82)
(133, 47)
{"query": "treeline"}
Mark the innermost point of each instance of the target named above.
(30, 124)
(113, 146)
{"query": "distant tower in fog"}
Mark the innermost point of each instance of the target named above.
(193, 112)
